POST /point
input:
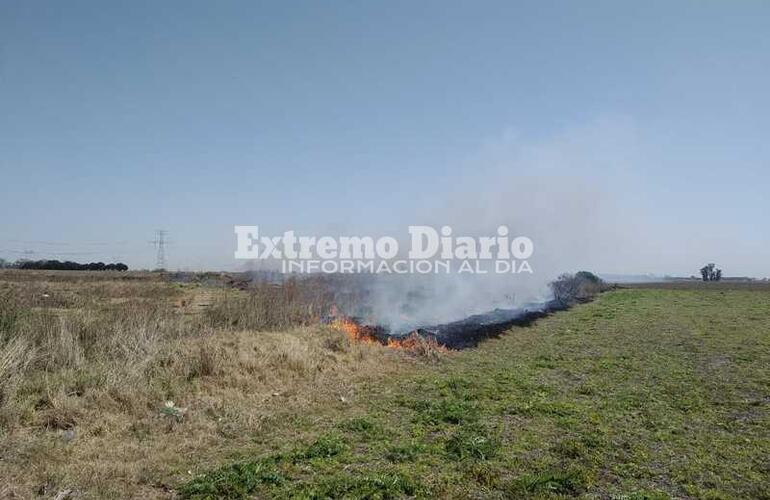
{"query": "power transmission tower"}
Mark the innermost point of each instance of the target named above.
(160, 243)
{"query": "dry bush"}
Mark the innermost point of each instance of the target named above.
(569, 289)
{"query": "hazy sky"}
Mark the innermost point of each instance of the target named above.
(116, 120)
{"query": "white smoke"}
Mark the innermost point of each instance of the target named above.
(550, 191)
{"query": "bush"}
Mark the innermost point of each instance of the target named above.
(588, 277)
(569, 289)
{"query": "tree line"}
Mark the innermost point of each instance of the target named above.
(56, 265)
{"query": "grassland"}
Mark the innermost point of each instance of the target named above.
(643, 393)
(89, 363)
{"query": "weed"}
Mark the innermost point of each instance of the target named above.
(452, 411)
(374, 486)
(405, 452)
(324, 447)
(363, 426)
(551, 482)
(238, 480)
(472, 442)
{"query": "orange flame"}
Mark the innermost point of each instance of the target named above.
(413, 342)
(353, 330)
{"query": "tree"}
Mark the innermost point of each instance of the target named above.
(709, 272)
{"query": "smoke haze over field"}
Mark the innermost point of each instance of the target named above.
(554, 191)
(549, 191)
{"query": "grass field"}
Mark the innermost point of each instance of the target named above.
(643, 393)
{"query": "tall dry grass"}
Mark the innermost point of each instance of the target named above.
(84, 386)
(269, 306)
(102, 346)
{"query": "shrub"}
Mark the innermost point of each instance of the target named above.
(569, 289)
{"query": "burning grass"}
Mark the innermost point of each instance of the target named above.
(412, 343)
(420, 345)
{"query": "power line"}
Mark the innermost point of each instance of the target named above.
(160, 242)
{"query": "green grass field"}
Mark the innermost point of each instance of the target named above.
(643, 393)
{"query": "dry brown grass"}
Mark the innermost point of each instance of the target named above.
(45, 292)
(83, 389)
(271, 307)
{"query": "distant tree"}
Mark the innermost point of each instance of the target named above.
(709, 272)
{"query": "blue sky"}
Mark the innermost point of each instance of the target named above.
(116, 120)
